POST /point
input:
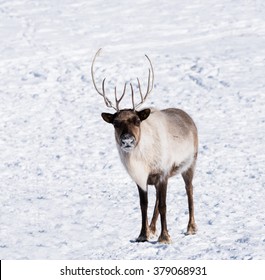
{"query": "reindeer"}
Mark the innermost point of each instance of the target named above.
(153, 145)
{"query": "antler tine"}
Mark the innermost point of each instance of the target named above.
(132, 96)
(153, 76)
(92, 72)
(119, 100)
(103, 94)
(148, 85)
(149, 88)
(107, 101)
(140, 90)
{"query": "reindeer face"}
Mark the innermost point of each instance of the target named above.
(127, 126)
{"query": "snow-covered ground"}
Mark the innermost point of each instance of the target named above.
(64, 193)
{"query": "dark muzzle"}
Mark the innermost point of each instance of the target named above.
(127, 142)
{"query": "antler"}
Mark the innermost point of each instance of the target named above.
(149, 89)
(107, 101)
(118, 100)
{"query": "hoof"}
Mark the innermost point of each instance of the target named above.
(192, 229)
(164, 239)
(152, 232)
(142, 239)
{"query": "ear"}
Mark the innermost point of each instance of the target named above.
(144, 114)
(107, 117)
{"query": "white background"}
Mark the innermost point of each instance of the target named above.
(64, 193)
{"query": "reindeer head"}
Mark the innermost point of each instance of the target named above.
(127, 122)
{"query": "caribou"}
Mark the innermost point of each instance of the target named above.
(153, 145)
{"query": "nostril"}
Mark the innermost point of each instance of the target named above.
(127, 139)
(125, 136)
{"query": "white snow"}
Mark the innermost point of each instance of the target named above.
(64, 193)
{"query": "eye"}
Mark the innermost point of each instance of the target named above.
(136, 121)
(116, 124)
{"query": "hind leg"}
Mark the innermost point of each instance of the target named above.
(188, 176)
(154, 218)
(161, 194)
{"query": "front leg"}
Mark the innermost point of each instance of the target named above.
(145, 232)
(154, 219)
(161, 193)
